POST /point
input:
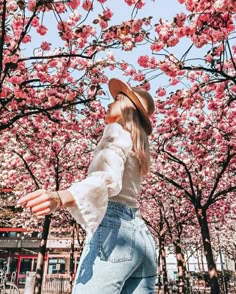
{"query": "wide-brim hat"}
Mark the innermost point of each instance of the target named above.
(140, 97)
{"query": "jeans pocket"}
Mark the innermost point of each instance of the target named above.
(116, 242)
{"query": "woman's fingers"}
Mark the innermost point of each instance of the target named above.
(41, 202)
(30, 196)
(41, 207)
(38, 200)
(43, 212)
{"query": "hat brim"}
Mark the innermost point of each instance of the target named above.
(117, 86)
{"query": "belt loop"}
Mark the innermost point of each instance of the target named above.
(132, 213)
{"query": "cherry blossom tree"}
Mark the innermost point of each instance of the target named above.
(61, 72)
(48, 155)
(195, 136)
(172, 218)
(153, 216)
(198, 158)
(193, 56)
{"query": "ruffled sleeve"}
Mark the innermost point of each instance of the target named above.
(104, 178)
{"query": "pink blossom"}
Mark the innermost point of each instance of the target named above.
(219, 4)
(103, 24)
(139, 76)
(42, 30)
(172, 41)
(123, 65)
(136, 26)
(45, 46)
(35, 22)
(143, 61)
(139, 38)
(62, 26)
(66, 35)
(128, 45)
(31, 5)
(201, 118)
(12, 5)
(233, 88)
(161, 92)
(74, 4)
(171, 148)
(180, 19)
(129, 71)
(174, 81)
(11, 58)
(107, 13)
(87, 5)
(212, 105)
(74, 17)
(26, 39)
(218, 50)
(157, 46)
(138, 4)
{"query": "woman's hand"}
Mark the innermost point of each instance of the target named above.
(41, 202)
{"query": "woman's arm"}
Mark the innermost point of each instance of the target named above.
(87, 199)
(42, 202)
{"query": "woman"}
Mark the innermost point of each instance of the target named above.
(119, 255)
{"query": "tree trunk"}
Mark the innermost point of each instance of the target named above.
(198, 261)
(181, 266)
(72, 254)
(212, 271)
(164, 268)
(159, 266)
(202, 261)
(41, 255)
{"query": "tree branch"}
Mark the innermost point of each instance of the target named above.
(222, 193)
(177, 160)
(2, 37)
(28, 169)
(213, 71)
(220, 174)
(172, 182)
(39, 110)
(56, 56)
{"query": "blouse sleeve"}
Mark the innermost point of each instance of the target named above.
(104, 178)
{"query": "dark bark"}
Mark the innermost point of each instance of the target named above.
(164, 267)
(162, 252)
(159, 267)
(181, 266)
(212, 271)
(41, 255)
(72, 255)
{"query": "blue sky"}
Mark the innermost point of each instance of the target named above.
(165, 9)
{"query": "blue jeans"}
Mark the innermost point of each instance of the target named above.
(120, 257)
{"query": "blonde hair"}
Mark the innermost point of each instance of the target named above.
(131, 122)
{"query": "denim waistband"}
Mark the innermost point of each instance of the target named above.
(124, 209)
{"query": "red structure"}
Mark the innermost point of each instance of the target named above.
(20, 252)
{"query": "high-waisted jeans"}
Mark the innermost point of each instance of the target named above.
(120, 257)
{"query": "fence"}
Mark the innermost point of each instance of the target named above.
(56, 283)
(60, 284)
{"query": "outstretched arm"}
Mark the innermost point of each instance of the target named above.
(42, 202)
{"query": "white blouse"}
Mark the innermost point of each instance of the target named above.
(113, 173)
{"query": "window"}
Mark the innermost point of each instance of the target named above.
(56, 265)
(25, 265)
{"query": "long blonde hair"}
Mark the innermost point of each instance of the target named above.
(131, 122)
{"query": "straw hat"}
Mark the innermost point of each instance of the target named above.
(139, 96)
